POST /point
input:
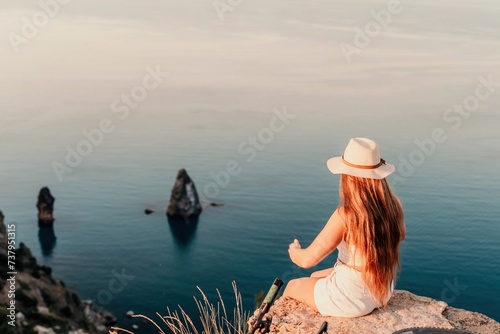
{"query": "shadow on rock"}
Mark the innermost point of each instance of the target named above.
(183, 229)
(47, 239)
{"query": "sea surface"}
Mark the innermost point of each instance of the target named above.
(450, 201)
(413, 88)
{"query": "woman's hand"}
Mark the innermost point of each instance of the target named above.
(324, 243)
(295, 252)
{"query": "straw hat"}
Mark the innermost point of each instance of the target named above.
(361, 158)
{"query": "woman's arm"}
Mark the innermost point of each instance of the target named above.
(326, 241)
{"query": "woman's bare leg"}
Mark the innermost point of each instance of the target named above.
(302, 289)
(322, 273)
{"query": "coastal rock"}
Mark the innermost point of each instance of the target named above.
(3, 230)
(184, 201)
(471, 321)
(405, 310)
(43, 330)
(42, 303)
(45, 207)
(21, 319)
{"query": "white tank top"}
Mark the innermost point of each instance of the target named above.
(348, 255)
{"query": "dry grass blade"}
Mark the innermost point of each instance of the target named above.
(213, 318)
(116, 329)
(151, 321)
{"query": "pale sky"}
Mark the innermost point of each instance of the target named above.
(261, 54)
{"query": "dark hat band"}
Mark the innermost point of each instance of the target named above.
(382, 162)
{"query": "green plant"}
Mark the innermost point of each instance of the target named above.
(214, 318)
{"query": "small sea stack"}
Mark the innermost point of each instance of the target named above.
(45, 207)
(184, 201)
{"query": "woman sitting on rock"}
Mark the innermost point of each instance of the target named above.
(367, 228)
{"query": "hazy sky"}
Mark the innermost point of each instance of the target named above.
(260, 55)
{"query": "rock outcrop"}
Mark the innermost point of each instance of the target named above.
(405, 310)
(45, 207)
(184, 201)
(42, 303)
(3, 231)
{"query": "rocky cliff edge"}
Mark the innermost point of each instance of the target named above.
(405, 310)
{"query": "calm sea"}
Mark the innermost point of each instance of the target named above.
(413, 88)
(450, 201)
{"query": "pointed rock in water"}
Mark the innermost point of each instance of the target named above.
(184, 201)
(45, 207)
(149, 211)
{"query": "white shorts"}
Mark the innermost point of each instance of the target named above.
(343, 293)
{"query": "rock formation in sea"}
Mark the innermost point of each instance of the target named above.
(184, 201)
(45, 207)
(42, 303)
(405, 310)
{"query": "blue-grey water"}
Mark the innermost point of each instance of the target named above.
(225, 79)
(451, 207)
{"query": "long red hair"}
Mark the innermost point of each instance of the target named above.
(375, 228)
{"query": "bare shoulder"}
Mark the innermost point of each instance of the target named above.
(339, 215)
(337, 221)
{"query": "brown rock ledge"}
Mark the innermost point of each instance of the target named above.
(404, 310)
